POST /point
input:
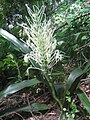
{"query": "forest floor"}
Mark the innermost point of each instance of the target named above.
(27, 96)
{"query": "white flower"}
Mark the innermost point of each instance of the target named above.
(41, 39)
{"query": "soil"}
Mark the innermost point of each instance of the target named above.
(25, 96)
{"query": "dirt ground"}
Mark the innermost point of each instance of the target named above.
(26, 96)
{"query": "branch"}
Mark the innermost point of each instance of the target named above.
(78, 17)
(80, 48)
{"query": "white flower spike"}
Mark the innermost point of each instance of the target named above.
(41, 39)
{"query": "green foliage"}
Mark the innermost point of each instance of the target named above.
(71, 21)
(75, 75)
(26, 108)
(84, 99)
(70, 114)
(18, 86)
(19, 44)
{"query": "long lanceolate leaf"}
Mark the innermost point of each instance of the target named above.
(76, 76)
(27, 108)
(18, 86)
(74, 79)
(84, 99)
(18, 43)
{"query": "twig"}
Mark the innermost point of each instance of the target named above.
(85, 81)
(86, 60)
(41, 115)
(46, 114)
(73, 35)
(80, 48)
(19, 115)
(1, 103)
(78, 17)
(1, 119)
(30, 109)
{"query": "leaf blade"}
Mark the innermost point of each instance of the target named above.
(18, 86)
(18, 43)
(72, 77)
(26, 108)
(84, 99)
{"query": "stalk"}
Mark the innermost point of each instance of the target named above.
(52, 89)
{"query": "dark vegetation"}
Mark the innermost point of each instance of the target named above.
(63, 93)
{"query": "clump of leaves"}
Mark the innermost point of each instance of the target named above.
(40, 50)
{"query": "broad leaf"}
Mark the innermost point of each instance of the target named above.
(60, 90)
(18, 43)
(27, 108)
(84, 99)
(18, 86)
(73, 77)
(76, 76)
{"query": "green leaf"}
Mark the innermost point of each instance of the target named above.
(84, 99)
(1, 64)
(57, 74)
(18, 86)
(77, 35)
(69, 21)
(18, 43)
(38, 106)
(26, 108)
(60, 90)
(73, 77)
(84, 38)
(85, 10)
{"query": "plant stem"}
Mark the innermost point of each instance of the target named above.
(19, 73)
(52, 89)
